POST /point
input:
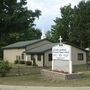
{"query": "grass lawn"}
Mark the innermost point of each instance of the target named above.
(35, 79)
(81, 68)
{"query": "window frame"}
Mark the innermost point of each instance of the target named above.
(39, 57)
(80, 57)
(17, 57)
(32, 56)
(49, 57)
(22, 56)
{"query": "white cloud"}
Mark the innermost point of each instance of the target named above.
(50, 10)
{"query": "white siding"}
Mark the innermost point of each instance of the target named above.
(75, 60)
(46, 58)
(10, 54)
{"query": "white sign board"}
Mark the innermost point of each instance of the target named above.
(61, 52)
(61, 58)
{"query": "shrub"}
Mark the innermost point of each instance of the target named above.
(22, 62)
(19, 62)
(16, 62)
(28, 63)
(1, 59)
(4, 68)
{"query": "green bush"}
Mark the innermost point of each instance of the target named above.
(28, 63)
(16, 62)
(22, 62)
(19, 62)
(4, 68)
(1, 59)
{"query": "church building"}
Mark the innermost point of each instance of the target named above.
(40, 50)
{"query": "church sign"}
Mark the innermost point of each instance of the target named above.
(61, 57)
(61, 52)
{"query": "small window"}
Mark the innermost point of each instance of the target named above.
(39, 57)
(23, 56)
(17, 57)
(50, 57)
(80, 56)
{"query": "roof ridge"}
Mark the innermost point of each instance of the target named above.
(27, 40)
(23, 44)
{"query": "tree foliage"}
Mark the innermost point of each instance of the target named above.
(16, 22)
(48, 35)
(73, 25)
(63, 25)
(15, 17)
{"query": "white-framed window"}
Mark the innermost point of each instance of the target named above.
(23, 56)
(32, 57)
(80, 56)
(49, 57)
(39, 57)
(17, 57)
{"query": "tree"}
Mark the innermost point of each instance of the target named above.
(63, 25)
(15, 17)
(48, 35)
(74, 25)
(81, 32)
(32, 33)
(29, 34)
(15, 20)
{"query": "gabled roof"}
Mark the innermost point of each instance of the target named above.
(22, 44)
(41, 48)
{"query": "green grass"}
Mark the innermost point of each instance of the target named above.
(35, 79)
(77, 68)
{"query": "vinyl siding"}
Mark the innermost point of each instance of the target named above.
(10, 54)
(74, 53)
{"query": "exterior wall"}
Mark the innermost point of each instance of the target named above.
(46, 58)
(10, 54)
(28, 57)
(37, 44)
(46, 61)
(38, 62)
(75, 60)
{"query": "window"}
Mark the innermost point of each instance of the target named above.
(17, 57)
(80, 56)
(23, 56)
(50, 57)
(39, 57)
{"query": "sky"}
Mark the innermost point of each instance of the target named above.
(50, 9)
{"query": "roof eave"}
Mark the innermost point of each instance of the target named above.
(13, 47)
(38, 52)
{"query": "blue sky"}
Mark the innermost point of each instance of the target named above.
(50, 10)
